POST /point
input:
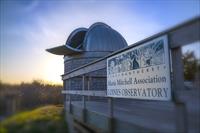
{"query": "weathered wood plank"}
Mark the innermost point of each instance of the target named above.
(177, 69)
(143, 118)
(86, 93)
(86, 69)
(185, 35)
(110, 111)
(178, 85)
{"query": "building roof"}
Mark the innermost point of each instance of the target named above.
(99, 37)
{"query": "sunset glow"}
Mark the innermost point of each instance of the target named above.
(54, 69)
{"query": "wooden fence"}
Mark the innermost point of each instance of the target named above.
(171, 116)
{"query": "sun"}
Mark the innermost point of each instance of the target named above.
(54, 69)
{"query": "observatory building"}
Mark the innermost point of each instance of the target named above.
(85, 45)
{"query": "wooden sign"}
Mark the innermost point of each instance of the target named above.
(142, 72)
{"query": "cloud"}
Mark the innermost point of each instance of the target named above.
(69, 16)
(32, 5)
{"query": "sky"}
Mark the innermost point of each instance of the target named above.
(27, 28)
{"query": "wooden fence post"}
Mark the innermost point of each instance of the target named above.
(70, 98)
(89, 85)
(110, 114)
(178, 85)
(84, 102)
(70, 120)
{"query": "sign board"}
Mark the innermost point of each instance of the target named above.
(142, 72)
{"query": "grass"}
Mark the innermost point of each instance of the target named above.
(47, 119)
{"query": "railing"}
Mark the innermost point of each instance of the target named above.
(178, 36)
